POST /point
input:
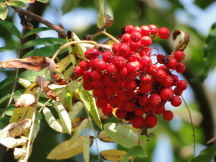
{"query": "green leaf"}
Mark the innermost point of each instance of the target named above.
(43, 1)
(121, 134)
(46, 51)
(210, 50)
(10, 27)
(16, 3)
(7, 48)
(64, 117)
(69, 5)
(43, 41)
(90, 106)
(86, 148)
(51, 121)
(3, 11)
(206, 154)
(67, 149)
(84, 124)
(6, 82)
(100, 21)
(79, 48)
(136, 151)
(31, 75)
(36, 30)
(77, 107)
(3, 122)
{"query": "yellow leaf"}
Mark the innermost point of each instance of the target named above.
(67, 149)
(61, 66)
(103, 136)
(22, 112)
(112, 155)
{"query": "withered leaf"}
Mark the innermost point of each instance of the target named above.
(103, 136)
(35, 63)
(16, 129)
(184, 40)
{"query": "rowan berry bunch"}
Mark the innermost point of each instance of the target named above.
(129, 79)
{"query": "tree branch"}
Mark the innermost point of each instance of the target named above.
(41, 20)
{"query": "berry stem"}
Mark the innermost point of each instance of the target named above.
(107, 34)
(71, 43)
(192, 125)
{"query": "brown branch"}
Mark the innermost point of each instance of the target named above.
(41, 20)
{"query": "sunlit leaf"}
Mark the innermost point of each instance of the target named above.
(11, 142)
(64, 117)
(43, 41)
(86, 148)
(121, 134)
(50, 119)
(103, 136)
(90, 105)
(100, 21)
(22, 112)
(67, 149)
(10, 27)
(112, 155)
(77, 107)
(15, 3)
(84, 124)
(43, 1)
(3, 11)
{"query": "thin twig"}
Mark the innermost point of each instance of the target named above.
(192, 125)
(41, 20)
(69, 44)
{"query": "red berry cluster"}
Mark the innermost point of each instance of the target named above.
(127, 78)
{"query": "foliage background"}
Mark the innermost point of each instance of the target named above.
(173, 141)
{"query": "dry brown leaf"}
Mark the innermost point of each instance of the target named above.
(35, 63)
(112, 155)
(183, 42)
(16, 129)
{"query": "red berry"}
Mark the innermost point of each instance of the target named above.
(168, 115)
(164, 33)
(160, 109)
(96, 75)
(179, 55)
(91, 53)
(180, 67)
(145, 30)
(120, 61)
(125, 38)
(160, 58)
(135, 36)
(153, 28)
(115, 47)
(84, 65)
(145, 61)
(111, 69)
(178, 91)
(176, 101)
(171, 62)
(143, 100)
(133, 67)
(150, 121)
(155, 99)
(78, 71)
(123, 50)
(146, 41)
(166, 94)
(182, 84)
(108, 56)
(145, 88)
(107, 110)
(121, 114)
(167, 82)
(160, 75)
(129, 29)
(137, 121)
(146, 78)
(145, 52)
